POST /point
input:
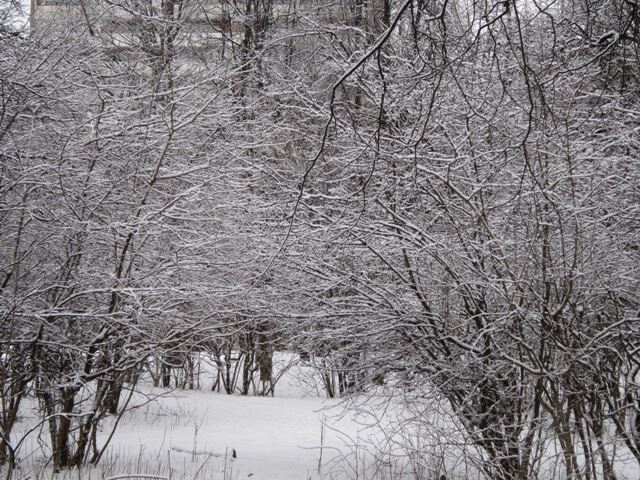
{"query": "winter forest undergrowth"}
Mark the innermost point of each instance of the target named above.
(422, 213)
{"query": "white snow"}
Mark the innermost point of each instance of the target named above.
(296, 435)
(192, 434)
(274, 437)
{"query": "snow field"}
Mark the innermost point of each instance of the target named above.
(296, 435)
(199, 434)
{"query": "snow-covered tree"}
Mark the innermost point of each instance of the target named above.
(478, 208)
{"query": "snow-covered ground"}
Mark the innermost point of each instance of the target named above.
(275, 438)
(296, 435)
(187, 434)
